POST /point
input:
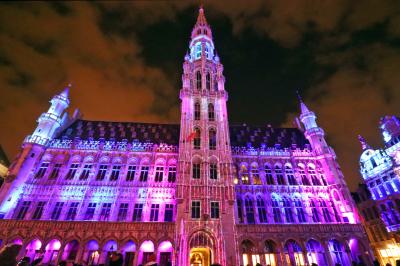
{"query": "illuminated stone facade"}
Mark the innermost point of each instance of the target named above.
(379, 199)
(199, 192)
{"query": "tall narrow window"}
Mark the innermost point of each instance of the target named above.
(244, 175)
(214, 210)
(197, 111)
(137, 212)
(23, 210)
(85, 172)
(55, 215)
(276, 211)
(248, 205)
(72, 171)
(208, 81)
(198, 80)
(115, 172)
(314, 179)
(262, 212)
(154, 212)
(212, 141)
(288, 210)
(130, 175)
(90, 211)
(101, 174)
(268, 175)
(325, 211)
(314, 211)
(239, 209)
(144, 173)
(39, 210)
(195, 209)
(42, 170)
(122, 212)
(72, 211)
(105, 212)
(211, 112)
(300, 211)
(171, 173)
(198, 50)
(159, 174)
(290, 176)
(255, 175)
(196, 171)
(303, 176)
(169, 212)
(56, 171)
(197, 139)
(213, 171)
(279, 175)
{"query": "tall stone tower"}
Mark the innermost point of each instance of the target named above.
(205, 189)
(326, 155)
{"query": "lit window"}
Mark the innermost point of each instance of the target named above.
(268, 175)
(198, 50)
(214, 209)
(248, 204)
(255, 175)
(42, 170)
(195, 209)
(244, 175)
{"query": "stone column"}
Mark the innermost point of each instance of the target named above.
(327, 253)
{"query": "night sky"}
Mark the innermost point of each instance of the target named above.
(124, 60)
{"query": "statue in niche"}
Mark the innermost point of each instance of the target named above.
(196, 260)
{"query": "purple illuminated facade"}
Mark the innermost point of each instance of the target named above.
(195, 193)
(379, 200)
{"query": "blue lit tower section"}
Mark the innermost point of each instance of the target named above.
(53, 119)
(32, 150)
(327, 157)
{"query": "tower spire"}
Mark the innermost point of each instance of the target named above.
(363, 142)
(303, 107)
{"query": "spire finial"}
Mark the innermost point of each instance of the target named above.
(364, 144)
(65, 92)
(303, 107)
(201, 18)
(299, 96)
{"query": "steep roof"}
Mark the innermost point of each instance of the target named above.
(241, 135)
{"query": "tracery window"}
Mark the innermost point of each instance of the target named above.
(171, 173)
(115, 172)
(244, 175)
(248, 204)
(197, 139)
(72, 171)
(287, 208)
(290, 175)
(101, 174)
(314, 179)
(255, 174)
(279, 175)
(300, 211)
(159, 174)
(56, 171)
(303, 176)
(314, 211)
(212, 139)
(198, 80)
(85, 172)
(325, 211)
(42, 170)
(262, 212)
(197, 111)
(211, 112)
(276, 210)
(268, 175)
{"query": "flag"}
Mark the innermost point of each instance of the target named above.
(191, 136)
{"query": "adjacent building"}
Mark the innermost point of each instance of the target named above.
(4, 163)
(379, 198)
(199, 192)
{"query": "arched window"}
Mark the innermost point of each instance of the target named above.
(248, 204)
(262, 213)
(244, 175)
(211, 112)
(279, 175)
(314, 179)
(208, 78)
(314, 211)
(337, 252)
(198, 50)
(212, 139)
(325, 211)
(335, 212)
(276, 210)
(288, 210)
(255, 174)
(303, 176)
(268, 175)
(290, 176)
(197, 111)
(300, 211)
(206, 49)
(198, 80)
(197, 139)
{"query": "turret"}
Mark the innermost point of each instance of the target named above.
(390, 126)
(53, 119)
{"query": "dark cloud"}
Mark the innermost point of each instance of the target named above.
(125, 62)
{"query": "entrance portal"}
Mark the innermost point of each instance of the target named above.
(200, 257)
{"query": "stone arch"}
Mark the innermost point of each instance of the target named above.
(104, 159)
(128, 250)
(116, 160)
(88, 159)
(71, 249)
(133, 160)
(315, 252)
(359, 251)
(52, 247)
(91, 252)
(108, 246)
(271, 251)
(337, 251)
(248, 249)
(32, 248)
(146, 251)
(293, 252)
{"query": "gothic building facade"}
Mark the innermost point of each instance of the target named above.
(379, 197)
(199, 192)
